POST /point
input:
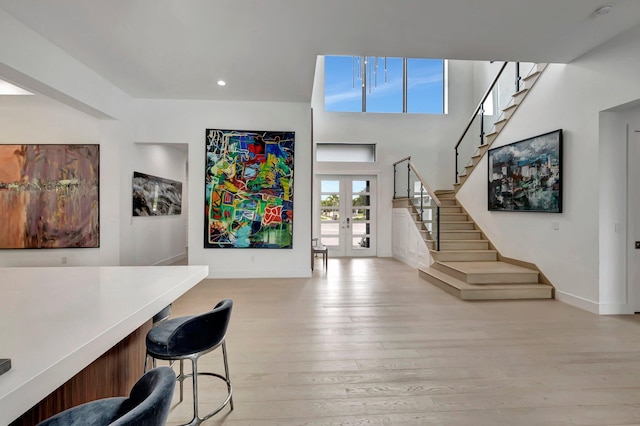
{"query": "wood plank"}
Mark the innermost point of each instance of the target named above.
(368, 342)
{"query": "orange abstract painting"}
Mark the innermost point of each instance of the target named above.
(49, 196)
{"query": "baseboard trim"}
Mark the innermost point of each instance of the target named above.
(171, 260)
(578, 302)
(615, 309)
(264, 273)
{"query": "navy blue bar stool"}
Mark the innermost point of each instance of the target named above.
(188, 338)
(148, 405)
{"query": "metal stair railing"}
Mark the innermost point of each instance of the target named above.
(502, 88)
(420, 195)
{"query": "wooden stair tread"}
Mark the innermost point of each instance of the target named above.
(469, 250)
(456, 222)
(479, 287)
(487, 267)
(466, 291)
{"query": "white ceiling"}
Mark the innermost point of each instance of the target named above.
(266, 49)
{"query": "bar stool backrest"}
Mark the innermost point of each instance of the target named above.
(202, 332)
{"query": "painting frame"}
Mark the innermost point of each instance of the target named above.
(155, 196)
(49, 196)
(526, 175)
(249, 181)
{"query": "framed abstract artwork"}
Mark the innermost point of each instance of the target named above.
(49, 196)
(156, 196)
(526, 176)
(249, 189)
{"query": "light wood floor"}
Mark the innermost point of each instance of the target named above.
(370, 343)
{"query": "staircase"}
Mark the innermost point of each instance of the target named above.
(466, 264)
(468, 267)
(517, 99)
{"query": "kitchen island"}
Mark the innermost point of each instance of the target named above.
(87, 323)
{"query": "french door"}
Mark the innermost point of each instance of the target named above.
(346, 216)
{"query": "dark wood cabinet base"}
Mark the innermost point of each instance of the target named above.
(113, 374)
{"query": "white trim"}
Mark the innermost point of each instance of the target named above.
(171, 260)
(578, 302)
(615, 309)
(298, 272)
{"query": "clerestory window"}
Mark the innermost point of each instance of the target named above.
(384, 84)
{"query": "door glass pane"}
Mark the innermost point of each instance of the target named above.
(361, 242)
(330, 186)
(330, 241)
(360, 228)
(360, 214)
(330, 213)
(358, 186)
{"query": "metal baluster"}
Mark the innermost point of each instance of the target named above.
(408, 180)
(394, 181)
(482, 124)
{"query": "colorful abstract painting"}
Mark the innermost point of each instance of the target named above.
(49, 196)
(156, 196)
(249, 189)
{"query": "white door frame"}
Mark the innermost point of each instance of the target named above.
(345, 247)
(633, 220)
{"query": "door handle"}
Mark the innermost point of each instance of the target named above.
(348, 221)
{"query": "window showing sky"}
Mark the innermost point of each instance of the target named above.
(385, 96)
(384, 88)
(425, 91)
(342, 91)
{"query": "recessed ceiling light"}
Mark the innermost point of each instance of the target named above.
(222, 83)
(7, 88)
(603, 10)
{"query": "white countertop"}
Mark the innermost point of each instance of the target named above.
(56, 321)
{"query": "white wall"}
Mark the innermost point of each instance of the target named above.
(37, 119)
(152, 240)
(571, 97)
(616, 230)
(428, 138)
(185, 122)
(408, 243)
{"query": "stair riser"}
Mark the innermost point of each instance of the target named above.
(454, 217)
(524, 278)
(489, 294)
(461, 245)
(401, 203)
(489, 277)
(452, 256)
(445, 195)
(450, 209)
(441, 284)
(468, 226)
(500, 125)
(507, 294)
(460, 235)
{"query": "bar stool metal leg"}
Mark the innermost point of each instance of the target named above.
(226, 373)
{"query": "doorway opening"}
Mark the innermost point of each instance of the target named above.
(346, 217)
